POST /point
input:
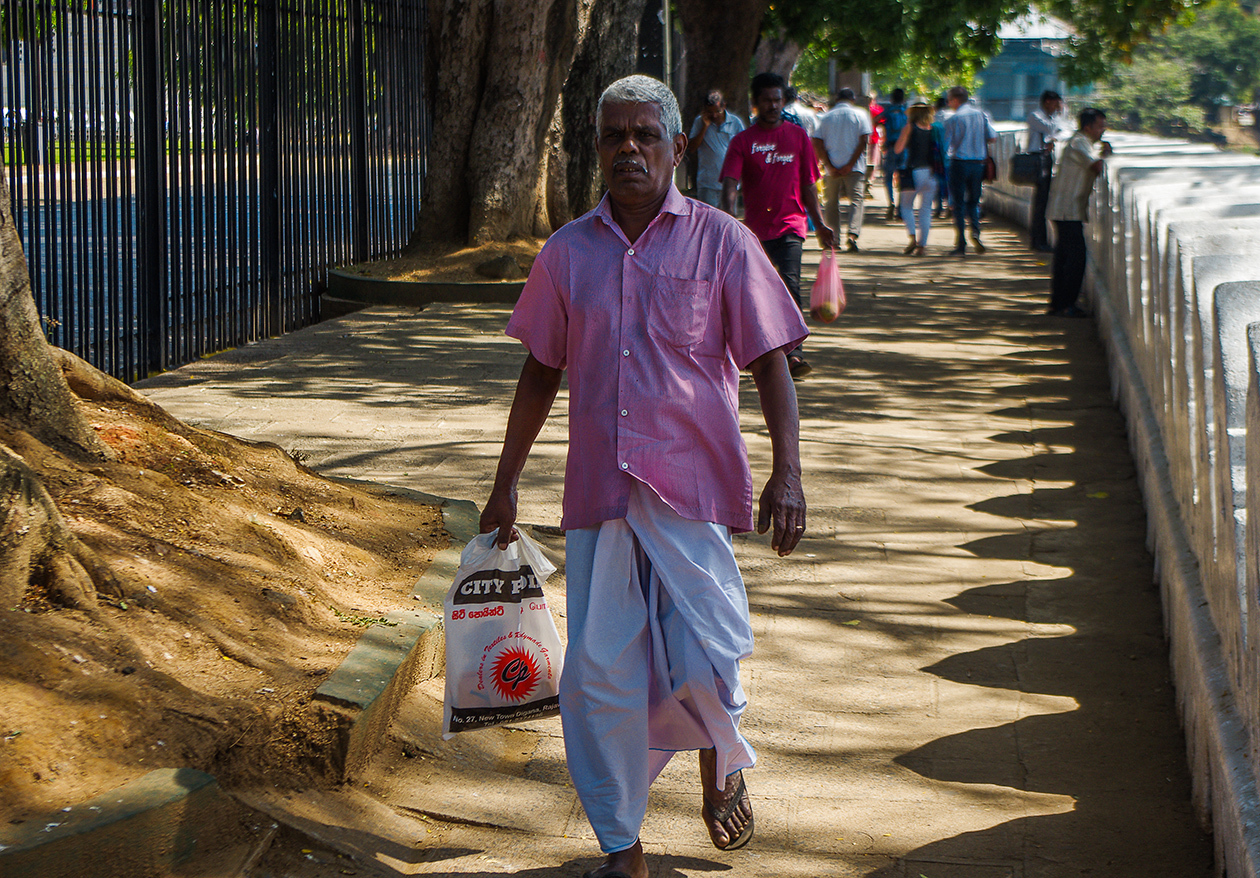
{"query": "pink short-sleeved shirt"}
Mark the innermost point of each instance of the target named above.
(653, 335)
(774, 167)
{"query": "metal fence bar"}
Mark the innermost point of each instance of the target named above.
(184, 173)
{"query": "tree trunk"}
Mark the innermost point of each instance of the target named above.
(530, 50)
(719, 37)
(458, 36)
(777, 54)
(36, 396)
(606, 52)
(496, 72)
(37, 550)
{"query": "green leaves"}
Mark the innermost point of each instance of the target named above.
(954, 38)
(1175, 82)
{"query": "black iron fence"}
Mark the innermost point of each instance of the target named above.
(184, 172)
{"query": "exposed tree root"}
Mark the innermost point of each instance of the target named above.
(37, 550)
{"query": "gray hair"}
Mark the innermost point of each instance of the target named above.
(640, 89)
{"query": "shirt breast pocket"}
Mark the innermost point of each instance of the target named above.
(678, 310)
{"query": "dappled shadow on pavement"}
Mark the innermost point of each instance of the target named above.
(960, 672)
(1056, 750)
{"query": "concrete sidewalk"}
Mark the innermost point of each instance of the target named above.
(960, 672)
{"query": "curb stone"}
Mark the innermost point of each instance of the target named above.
(359, 289)
(389, 660)
(170, 820)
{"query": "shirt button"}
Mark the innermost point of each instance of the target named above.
(625, 466)
(631, 251)
(625, 353)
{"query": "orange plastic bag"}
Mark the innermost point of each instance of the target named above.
(826, 299)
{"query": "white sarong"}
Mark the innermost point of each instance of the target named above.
(658, 623)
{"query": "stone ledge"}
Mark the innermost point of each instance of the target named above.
(172, 820)
(390, 660)
(355, 288)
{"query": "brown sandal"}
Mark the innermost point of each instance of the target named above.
(721, 816)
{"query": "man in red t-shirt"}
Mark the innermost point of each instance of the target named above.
(775, 162)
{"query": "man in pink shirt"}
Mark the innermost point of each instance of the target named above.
(654, 303)
(775, 161)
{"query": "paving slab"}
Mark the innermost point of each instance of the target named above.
(960, 672)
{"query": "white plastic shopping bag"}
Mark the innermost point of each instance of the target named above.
(503, 655)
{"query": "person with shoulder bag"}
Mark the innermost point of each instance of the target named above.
(918, 180)
(1044, 129)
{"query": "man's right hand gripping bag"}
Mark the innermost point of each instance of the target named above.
(503, 655)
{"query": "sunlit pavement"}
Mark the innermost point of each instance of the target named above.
(960, 672)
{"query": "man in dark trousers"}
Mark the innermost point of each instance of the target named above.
(1079, 167)
(893, 118)
(1043, 131)
(968, 134)
(776, 165)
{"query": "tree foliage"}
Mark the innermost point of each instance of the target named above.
(1220, 47)
(1151, 94)
(945, 39)
(1176, 82)
(949, 40)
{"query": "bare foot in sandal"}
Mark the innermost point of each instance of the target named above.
(727, 814)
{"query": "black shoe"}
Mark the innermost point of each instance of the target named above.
(797, 367)
(960, 250)
(852, 246)
(975, 242)
(892, 214)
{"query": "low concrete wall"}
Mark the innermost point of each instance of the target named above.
(1174, 279)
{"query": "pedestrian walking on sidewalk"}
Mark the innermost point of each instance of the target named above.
(654, 303)
(918, 180)
(893, 118)
(968, 134)
(840, 143)
(1079, 166)
(711, 133)
(775, 163)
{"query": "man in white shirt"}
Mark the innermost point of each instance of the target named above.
(840, 142)
(1044, 128)
(1079, 167)
(711, 134)
(803, 112)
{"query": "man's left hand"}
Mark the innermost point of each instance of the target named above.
(782, 505)
(826, 237)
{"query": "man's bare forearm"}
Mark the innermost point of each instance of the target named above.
(535, 392)
(777, 394)
(781, 507)
(729, 185)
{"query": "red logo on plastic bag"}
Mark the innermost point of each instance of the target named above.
(514, 674)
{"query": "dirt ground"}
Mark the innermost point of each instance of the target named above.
(246, 579)
(450, 263)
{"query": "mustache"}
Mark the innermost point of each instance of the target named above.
(628, 164)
